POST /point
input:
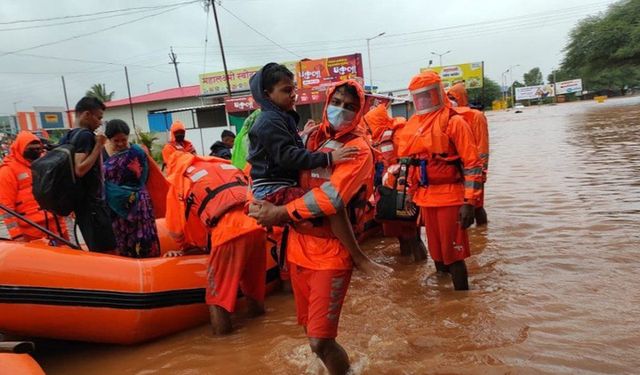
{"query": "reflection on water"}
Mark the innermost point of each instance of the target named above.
(554, 276)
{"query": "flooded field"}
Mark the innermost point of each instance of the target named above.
(554, 276)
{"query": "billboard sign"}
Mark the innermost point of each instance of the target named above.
(534, 92)
(246, 103)
(569, 87)
(471, 73)
(325, 72)
(50, 117)
(215, 83)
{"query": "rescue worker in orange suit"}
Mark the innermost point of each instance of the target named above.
(16, 194)
(447, 175)
(382, 128)
(321, 267)
(478, 123)
(176, 142)
(206, 199)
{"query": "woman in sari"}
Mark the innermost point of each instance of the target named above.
(126, 171)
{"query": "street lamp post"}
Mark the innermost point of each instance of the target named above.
(513, 89)
(15, 107)
(369, 57)
(440, 55)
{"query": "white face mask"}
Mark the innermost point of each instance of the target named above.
(339, 117)
(453, 103)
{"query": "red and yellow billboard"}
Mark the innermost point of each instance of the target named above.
(327, 71)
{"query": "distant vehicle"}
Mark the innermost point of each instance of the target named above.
(519, 106)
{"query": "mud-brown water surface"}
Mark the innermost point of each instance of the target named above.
(555, 276)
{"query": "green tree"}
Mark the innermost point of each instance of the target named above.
(491, 93)
(99, 90)
(604, 50)
(533, 77)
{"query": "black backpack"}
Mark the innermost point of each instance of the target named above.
(55, 185)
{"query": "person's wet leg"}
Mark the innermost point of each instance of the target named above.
(220, 320)
(255, 308)
(459, 275)
(333, 355)
(405, 247)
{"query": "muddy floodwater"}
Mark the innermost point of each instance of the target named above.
(555, 276)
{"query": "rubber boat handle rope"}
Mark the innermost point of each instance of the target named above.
(40, 228)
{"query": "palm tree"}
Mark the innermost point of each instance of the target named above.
(99, 91)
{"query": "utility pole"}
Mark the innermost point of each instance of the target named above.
(133, 119)
(224, 60)
(66, 101)
(174, 60)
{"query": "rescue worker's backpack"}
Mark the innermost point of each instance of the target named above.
(54, 179)
(393, 204)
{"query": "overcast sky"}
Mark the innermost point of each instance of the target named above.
(500, 33)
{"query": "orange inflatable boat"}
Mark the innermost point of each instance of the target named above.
(62, 293)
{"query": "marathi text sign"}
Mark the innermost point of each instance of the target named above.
(215, 83)
(534, 92)
(327, 71)
(568, 87)
(471, 73)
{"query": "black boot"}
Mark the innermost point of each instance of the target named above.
(459, 275)
(441, 267)
(481, 216)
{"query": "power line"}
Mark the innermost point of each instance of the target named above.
(260, 33)
(91, 32)
(174, 60)
(77, 21)
(94, 13)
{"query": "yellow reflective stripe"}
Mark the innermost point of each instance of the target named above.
(473, 185)
(312, 205)
(333, 195)
(473, 171)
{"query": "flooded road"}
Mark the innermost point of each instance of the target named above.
(554, 276)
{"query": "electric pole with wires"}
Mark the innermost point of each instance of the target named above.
(174, 60)
(212, 3)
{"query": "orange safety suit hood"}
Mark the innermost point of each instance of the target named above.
(459, 93)
(176, 126)
(325, 132)
(18, 146)
(425, 133)
(378, 120)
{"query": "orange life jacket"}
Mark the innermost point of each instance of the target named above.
(215, 189)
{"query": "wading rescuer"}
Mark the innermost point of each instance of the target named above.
(16, 191)
(177, 142)
(447, 174)
(206, 203)
(321, 266)
(478, 123)
(382, 129)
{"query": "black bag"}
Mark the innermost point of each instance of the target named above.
(392, 204)
(54, 180)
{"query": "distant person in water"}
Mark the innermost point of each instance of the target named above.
(222, 148)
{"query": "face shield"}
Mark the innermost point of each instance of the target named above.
(427, 99)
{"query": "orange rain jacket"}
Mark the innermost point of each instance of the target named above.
(203, 190)
(172, 146)
(332, 189)
(476, 120)
(446, 147)
(16, 194)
